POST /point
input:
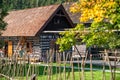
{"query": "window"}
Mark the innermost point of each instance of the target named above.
(56, 21)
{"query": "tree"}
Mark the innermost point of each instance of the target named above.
(104, 29)
(22, 4)
(2, 15)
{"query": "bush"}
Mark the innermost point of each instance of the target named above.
(2, 43)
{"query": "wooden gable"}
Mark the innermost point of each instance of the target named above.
(31, 22)
(59, 21)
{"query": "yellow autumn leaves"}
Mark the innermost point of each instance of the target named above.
(92, 9)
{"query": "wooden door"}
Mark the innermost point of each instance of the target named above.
(10, 51)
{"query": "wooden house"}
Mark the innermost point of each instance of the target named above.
(35, 29)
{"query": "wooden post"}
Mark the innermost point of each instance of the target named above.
(82, 66)
(33, 77)
(109, 63)
(104, 77)
(91, 66)
(115, 64)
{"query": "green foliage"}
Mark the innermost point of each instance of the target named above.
(22, 4)
(3, 13)
(104, 31)
(69, 38)
(66, 41)
(2, 43)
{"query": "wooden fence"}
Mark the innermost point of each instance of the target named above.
(61, 66)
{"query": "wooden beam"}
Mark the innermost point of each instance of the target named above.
(84, 31)
(52, 31)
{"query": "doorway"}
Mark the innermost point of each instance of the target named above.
(8, 48)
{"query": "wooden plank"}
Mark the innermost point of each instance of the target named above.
(30, 46)
(113, 57)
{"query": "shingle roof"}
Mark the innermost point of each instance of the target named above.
(29, 21)
(74, 16)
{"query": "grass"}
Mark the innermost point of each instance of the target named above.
(97, 76)
(56, 71)
(79, 65)
(95, 66)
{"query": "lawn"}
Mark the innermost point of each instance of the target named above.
(55, 72)
(97, 76)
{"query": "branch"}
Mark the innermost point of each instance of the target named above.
(6, 76)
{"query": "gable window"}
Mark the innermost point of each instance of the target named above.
(56, 21)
